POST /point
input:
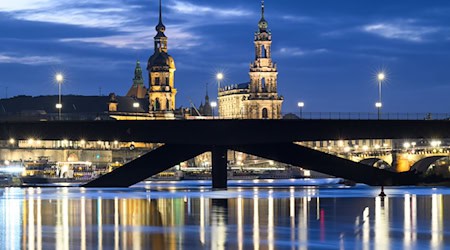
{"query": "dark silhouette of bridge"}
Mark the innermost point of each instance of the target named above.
(270, 139)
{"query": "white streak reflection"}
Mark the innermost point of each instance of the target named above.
(83, 223)
(255, 222)
(410, 220)
(116, 223)
(218, 226)
(202, 220)
(292, 216)
(436, 221)
(39, 223)
(366, 228)
(270, 223)
(11, 218)
(100, 223)
(382, 222)
(31, 235)
(303, 224)
(240, 223)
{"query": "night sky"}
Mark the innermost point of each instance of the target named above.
(328, 52)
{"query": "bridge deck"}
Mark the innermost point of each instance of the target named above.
(226, 132)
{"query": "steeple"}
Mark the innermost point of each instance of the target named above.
(206, 109)
(262, 22)
(160, 38)
(138, 79)
(160, 28)
(262, 9)
(138, 89)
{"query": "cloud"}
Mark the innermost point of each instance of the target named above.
(142, 38)
(298, 19)
(401, 30)
(293, 51)
(199, 10)
(21, 5)
(28, 60)
(129, 29)
(95, 13)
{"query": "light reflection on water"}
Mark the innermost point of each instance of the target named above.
(196, 217)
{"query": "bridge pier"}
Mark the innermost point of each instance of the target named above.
(219, 167)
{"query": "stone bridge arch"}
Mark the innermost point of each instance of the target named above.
(376, 162)
(428, 166)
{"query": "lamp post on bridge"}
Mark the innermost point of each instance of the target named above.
(213, 106)
(59, 80)
(300, 106)
(381, 76)
(219, 78)
(379, 105)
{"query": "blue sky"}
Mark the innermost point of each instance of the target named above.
(328, 52)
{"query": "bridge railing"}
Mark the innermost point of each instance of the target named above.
(304, 115)
(367, 116)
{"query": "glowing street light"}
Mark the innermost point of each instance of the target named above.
(219, 78)
(378, 105)
(213, 106)
(300, 106)
(435, 144)
(380, 77)
(59, 79)
(136, 105)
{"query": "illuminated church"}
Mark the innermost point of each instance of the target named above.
(257, 99)
(161, 71)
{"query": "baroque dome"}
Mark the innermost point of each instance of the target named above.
(161, 59)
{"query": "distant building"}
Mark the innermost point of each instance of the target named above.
(257, 99)
(75, 107)
(205, 109)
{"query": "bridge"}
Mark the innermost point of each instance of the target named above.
(270, 139)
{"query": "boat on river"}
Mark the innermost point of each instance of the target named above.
(59, 172)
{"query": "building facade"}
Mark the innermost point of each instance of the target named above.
(161, 71)
(259, 98)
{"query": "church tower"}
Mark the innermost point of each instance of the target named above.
(161, 69)
(263, 101)
(138, 89)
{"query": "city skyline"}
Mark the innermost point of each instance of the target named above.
(328, 53)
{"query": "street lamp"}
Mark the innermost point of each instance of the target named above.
(59, 79)
(381, 76)
(378, 105)
(300, 106)
(219, 78)
(213, 106)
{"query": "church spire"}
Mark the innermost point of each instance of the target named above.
(160, 38)
(262, 22)
(138, 79)
(160, 12)
(262, 8)
(207, 95)
(160, 28)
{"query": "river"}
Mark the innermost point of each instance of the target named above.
(271, 214)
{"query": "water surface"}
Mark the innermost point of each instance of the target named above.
(249, 215)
